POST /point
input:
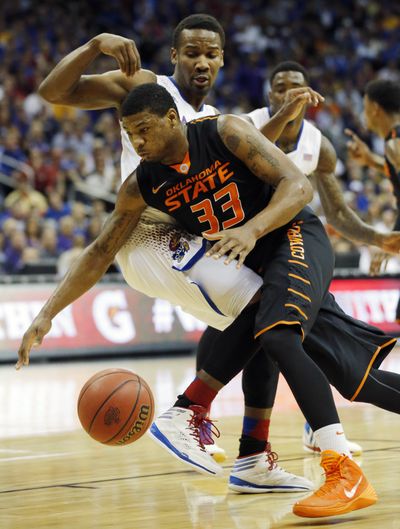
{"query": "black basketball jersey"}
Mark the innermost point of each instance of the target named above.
(390, 169)
(211, 190)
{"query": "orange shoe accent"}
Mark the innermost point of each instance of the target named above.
(345, 489)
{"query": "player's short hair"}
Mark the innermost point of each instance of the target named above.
(289, 66)
(199, 21)
(386, 93)
(149, 96)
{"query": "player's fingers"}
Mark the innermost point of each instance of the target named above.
(353, 135)
(223, 248)
(120, 60)
(131, 62)
(136, 56)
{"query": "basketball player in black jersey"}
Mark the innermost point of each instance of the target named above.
(235, 181)
(215, 191)
(382, 115)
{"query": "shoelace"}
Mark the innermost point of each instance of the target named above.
(333, 474)
(272, 457)
(202, 427)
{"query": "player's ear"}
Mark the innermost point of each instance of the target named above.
(173, 54)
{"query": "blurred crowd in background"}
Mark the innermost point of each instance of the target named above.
(59, 167)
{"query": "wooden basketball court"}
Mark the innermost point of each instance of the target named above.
(54, 476)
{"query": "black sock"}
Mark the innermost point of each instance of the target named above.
(250, 445)
(183, 402)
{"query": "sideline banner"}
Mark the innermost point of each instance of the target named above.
(114, 318)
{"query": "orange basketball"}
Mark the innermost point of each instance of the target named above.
(116, 406)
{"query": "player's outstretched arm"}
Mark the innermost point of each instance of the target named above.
(295, 101)
(89, 267)
(338, 213)
(360, 152)
(67, 85)
(292, 189)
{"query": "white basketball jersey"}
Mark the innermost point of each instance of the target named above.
(306, 154)
(151, 260)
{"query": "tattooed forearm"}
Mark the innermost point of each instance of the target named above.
(114, 234)
(339, 215)
(132, 188)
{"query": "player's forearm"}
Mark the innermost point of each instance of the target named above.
(275, 126)
(350, 226)
(62, 80)
(289, 198)
(83, 274)
(375, 161)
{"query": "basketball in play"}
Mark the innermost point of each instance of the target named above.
(116, 407)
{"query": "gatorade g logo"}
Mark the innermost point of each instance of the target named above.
(138, 424)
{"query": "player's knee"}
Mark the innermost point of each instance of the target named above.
(280, 342)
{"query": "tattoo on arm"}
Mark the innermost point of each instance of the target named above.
(115, 233)
(132, 188)
(232, 142)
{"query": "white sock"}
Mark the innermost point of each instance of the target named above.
(332, 437)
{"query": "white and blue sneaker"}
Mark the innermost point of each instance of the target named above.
(178, 431)
(260, 473)
(310, 442)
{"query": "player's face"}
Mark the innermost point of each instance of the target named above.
(152, 136)
(197, 60)
(281, 83)
(370, 114)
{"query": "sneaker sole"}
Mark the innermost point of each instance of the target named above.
(316, 450)
(239, 485)
(160, 439)
(366, 499)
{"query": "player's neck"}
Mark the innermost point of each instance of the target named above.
(178, 148)
(195, 100)
(388, 123)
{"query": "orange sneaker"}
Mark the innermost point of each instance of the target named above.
(345, 489)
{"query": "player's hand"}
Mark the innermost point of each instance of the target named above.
(390, 242)
(235, 243)
(33, 337)
(297, 98)
(357, 149)
(379, 261)
(122, 49)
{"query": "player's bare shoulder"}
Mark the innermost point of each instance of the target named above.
(392, 151)
(230, 130)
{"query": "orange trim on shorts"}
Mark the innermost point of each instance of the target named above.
(370, 366)
(299, 294)
(280, 323)
(300, 279)
(297, 308)
(298, 262)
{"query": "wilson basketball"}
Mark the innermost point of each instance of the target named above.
(116, 407)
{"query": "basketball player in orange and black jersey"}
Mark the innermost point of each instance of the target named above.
(382, 116)
(228, 178)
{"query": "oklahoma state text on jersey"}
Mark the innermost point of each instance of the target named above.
(210, 190)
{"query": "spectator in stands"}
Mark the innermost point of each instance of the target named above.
(66, 233)
(48, 242)
(13, 252)
(25, 194)
(68, 257)
(57, 208)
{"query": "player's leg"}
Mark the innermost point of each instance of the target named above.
(295, 283)
(256, 469)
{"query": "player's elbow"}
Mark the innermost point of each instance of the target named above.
(305, 191)
(47, 93)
